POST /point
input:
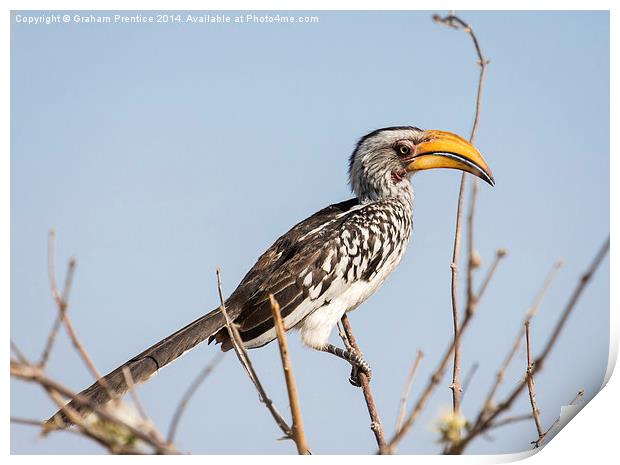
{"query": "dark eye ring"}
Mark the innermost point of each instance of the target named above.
(404, 149)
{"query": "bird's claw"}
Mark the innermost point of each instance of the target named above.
(363, 366)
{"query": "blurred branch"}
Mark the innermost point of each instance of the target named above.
(470, 375)
(443, 363)
(117, 433)
(484, 422)
(403, 400)
(32, 373)
(62, 302)
(176, 417)
(529, 376)
(531, 312)
(375, 421)
(242, 355)
(298, 426)
(509, 420)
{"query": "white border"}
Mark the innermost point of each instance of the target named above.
(591, 436)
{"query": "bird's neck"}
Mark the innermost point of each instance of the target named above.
(387, 189)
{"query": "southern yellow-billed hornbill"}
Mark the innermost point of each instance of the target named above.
(324, 266)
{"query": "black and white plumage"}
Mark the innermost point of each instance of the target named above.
(326, 265)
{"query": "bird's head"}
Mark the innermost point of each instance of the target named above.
(383, 161)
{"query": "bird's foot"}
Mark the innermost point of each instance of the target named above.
(355, 358)
(359, 364)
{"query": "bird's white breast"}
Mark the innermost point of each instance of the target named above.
(316, 327)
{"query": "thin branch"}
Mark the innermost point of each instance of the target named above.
(499, 254)
(531, 312)
(62, 308)
(242, 355)
(484, 423)
(529, 375)
(27, 421)
(456, 23)
(456, 366)
(18, 353)
(437, 375)
(148, 424)
(470, 375)
(34, 374)
(403, 400)
(509, 420)
(134, 395)
(89, 432)
(204, 374)
(56, 295)
(344, 337)
(298, 425)
(375, 421)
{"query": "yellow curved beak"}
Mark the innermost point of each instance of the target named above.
(441, 149)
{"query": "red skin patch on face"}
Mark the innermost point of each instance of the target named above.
(397, 176)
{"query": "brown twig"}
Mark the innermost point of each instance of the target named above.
(468, 377)
(62, 308)
(176, 417)
(35, 374)
(375, 421)
(437, 375)
(148, 424)
(483, 424)
(242, 355)
(531, 312)
(18, 353)
(509, 420)
(62, 302)
(403, 400)
(298, 425)
(457, 23)
(56, 295)
(529, 375)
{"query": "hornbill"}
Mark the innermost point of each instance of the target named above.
(326, 265)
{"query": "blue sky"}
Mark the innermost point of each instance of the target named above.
(161, 151)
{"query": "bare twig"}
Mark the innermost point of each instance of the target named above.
(439, 371)
(298, 426)
(242, 355)
(35, 374)
(148, 424)
(509, 420)
(482, 424)
(134, 395)
(455, 22)
(531, 312)
(499, 254)
(176, 418)
(18, 353)
(344, 338)
(27, 421)
(56, 295)
(403, 400)
(456, 366)
(470, 375)
(375, 421)
(62, 302)
(529, 375)
(62, 308)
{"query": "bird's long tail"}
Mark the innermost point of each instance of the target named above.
(141, 367)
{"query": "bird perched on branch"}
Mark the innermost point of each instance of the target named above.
(326, 265)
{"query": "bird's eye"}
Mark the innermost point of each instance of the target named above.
(404, 149)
